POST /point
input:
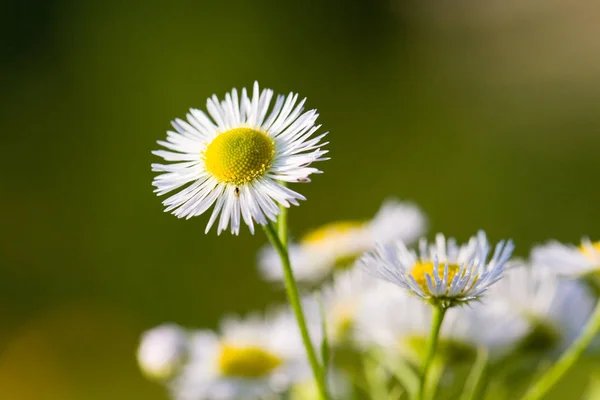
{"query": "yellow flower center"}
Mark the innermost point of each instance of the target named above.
(343, 316)
(239, 155)
(420, 270)
(331, 231)
(327, 234)
(589, 253)
(246, 361)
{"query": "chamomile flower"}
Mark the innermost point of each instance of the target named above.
(337, 245)
(250, 358)
(400, 322)
(343, 299)
(557, 309)
(236, 157)
(162, 351)
(442, 272)
(568, 260)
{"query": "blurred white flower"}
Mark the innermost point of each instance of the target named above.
(162, 351)
(236, 159)
(342, 300)
(556, 308)
(442, 272)
(398, 321)
(337, 245)
(249, 358)
(568, 260)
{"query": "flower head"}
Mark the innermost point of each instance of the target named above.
(441, 272)
(236, 158)
(399, 322)
(557, 309)
(249, 358)
(342, 300)
(336, 246)
(568, 260)
(162, 351)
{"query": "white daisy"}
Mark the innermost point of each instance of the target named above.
(557, 309)
(249, 359)
(236, 157)
(342, 301)
(397, 321)
(442, 272)
(337, 245)
(568, 260)
(162, 351)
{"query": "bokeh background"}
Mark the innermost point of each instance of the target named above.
(485, 113)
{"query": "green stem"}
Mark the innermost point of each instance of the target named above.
(282, 225)
(473, 381)
(294, 299)
(439, 312)
(543, 385)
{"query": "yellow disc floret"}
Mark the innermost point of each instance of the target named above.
(332, 231)
(337, 235)
(246, 361)
(589, 252)
(420, 270)
(239, 155)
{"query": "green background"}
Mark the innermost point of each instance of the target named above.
(484, 113)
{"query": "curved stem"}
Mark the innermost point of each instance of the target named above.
(543, 385)
(473, 381)
(439, 312)
(294, 299)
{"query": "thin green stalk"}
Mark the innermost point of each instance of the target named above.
(282, 230)
(294, 299)
(439, 312)
(544, 383)
(473, 381)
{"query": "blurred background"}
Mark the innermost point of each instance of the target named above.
(484, 113)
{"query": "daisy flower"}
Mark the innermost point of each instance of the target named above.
(397, 321)
(342, 300)
(162, 351)
(236, 158)
(557, 309)
(250, 358)
(337, 245)
(441, 272)
(568, 260)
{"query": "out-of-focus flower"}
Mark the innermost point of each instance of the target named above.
(343, 299)
(236, 158)
(337, 245)
(398, 321)
(162, 351)
(249, 358)
(441, 272)
(568, 260)
(557, 309)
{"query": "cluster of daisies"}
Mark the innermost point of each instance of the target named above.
(369, 287)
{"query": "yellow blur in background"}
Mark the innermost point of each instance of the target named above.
(484, 113)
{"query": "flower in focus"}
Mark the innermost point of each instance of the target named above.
(337, 245)
(236, 156)
(397, 321)
(557, 309)
(569, 260)
(162, 351)
(250, 358)
(441, 272)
